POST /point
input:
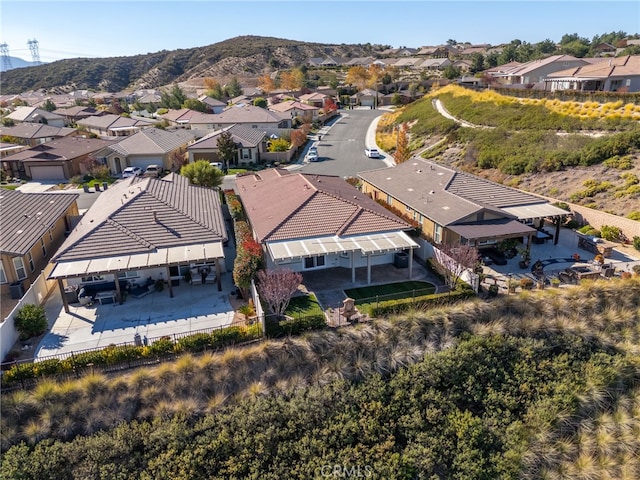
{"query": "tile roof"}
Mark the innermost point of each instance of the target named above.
(283, 206)
(606, 68)
(28, 114)
(153, 141)
(290, 105)
(63, 148)
(111, 121)
(26, 217)
(35, 130)
(245, 137)
(443, 194)
(140, 215)
(241, 114)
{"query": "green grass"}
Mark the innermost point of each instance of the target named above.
(9, 187)
(303, 306)
(390, 291)
(235, 171)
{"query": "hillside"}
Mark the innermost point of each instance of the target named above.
(246, 55)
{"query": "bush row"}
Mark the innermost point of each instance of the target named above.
(295, 326)
(390, 307)
(113, 355)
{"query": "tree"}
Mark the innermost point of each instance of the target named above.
(195, 104)
(266, 83)
(233, 88)
(173, 99)
(49, 106)
(329, 106)
(455, 259)
(402, 153)
(276, 287)
(358, 76)
(227, 149)
(292, 81)
(260, 102)
(375, 72)
(214, 90)
(202, 173)
(477, 63)
(298, 137)
(30, 321)
(249, 259)
(451, 73)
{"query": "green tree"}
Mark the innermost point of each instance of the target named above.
(451, 73)
(30, 321)
(227, 149)
(233, 88)
(477, 63)
(202, 173)
(260, 102)
(195, 104)
(173, 99)
(49, 106)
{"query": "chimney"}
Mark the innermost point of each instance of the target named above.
(155, 216)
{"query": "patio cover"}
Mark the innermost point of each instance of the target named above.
(536, 210)
(308, 247)
(510, 228)
(162, 257)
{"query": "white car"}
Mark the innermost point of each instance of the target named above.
(372, 152)
(312, 156)
(131, 172)
(153, 171)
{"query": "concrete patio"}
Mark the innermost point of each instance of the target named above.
(193, 307)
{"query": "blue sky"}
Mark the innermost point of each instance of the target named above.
(67, 29)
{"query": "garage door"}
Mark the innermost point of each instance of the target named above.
(145, 162)
(48, 173)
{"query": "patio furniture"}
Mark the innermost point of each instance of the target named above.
(106, 297)
(139, 291)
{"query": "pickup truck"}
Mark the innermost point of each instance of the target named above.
(372, 152)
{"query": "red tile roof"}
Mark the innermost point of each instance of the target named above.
(283, 206)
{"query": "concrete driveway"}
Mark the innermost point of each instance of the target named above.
(192, 308)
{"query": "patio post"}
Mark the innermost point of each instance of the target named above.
(169, 278)
(368, 269)
(410, 263)
(118, 291)
(557, 235)
(65, 303)
(353, 267)
(218, 274)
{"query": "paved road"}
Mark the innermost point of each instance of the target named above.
(341, 150)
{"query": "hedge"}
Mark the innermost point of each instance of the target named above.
(113, 355)
(389, 307)
(295, 326)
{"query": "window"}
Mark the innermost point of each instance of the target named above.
(18, 265)
(437, 234)
(93, 278)
(44, 249)
(129, 274)
(246, 153)
(389, 200)
(31, 265)
(3, 277)
(314, 262)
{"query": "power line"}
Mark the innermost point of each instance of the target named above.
(6, 59)
(33, 46)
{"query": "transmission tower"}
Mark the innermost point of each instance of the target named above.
(6, 59)
(33, 46)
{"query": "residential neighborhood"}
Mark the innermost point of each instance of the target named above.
(399, 229)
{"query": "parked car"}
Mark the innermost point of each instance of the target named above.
(312, 157)
(153, 171)
(497, 257)
(372, 152)
(131, 172)
(218, 165)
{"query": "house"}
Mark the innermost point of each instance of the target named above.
(366, 98)
(32, 228)
(440, 51)
(536, 71)
(111, 125)
(57, 160)
(295, 109)
(408, 62)
(310, 222)
(36, 115)
(73, 114)
(32, 134)
(151, 146)
(316, 99)
(247, 115)
(213, 105)
(251, 143)
(359, 61)
(154, 228)
(434, 64)
(604, 50)
(453, 206)
(620, 74)
(180, 118)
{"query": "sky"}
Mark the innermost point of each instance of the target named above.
(91, 29)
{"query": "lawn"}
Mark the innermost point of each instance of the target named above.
(365, 296)
(303, 306)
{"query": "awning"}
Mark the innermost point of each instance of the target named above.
(537, 210)
(159, 258)
(492, 229)
(367, 244)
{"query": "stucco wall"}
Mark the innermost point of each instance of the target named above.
(598, 218)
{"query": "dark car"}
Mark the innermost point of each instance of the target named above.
(497, 257)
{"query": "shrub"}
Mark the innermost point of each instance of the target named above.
(636, 270)
(526, 283)
(636, 243)
(295, 326)
(611, 233)
(194, 343)
(390, 307)
(30, 321)
(162, 346)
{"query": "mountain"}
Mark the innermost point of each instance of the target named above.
(17, 62)
(245, 55)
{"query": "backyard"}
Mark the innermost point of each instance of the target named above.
(365, 297)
